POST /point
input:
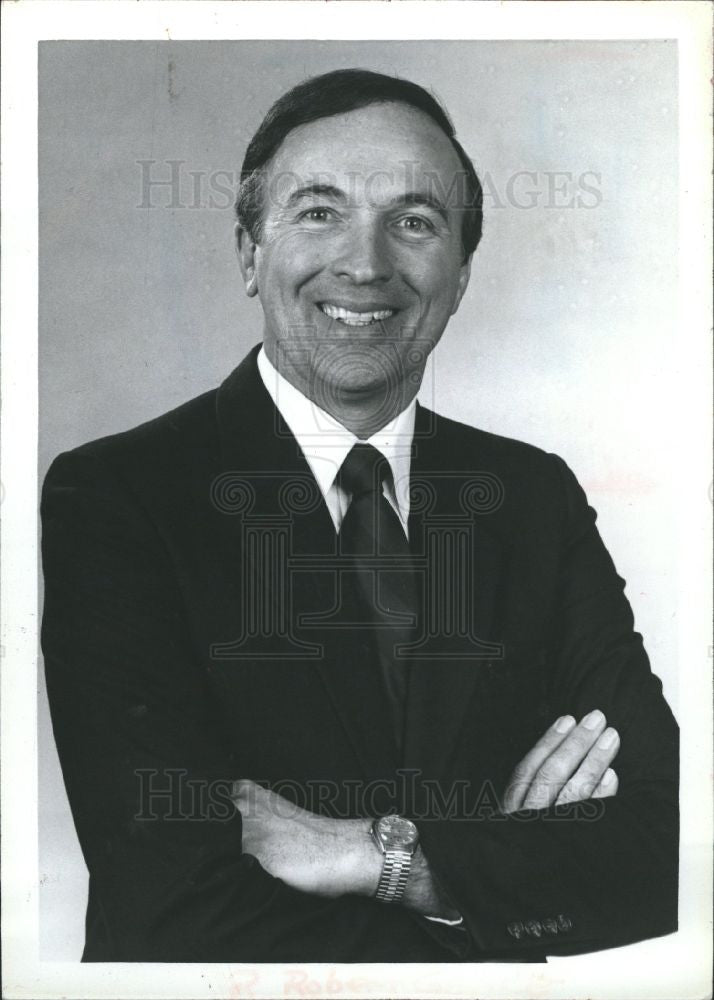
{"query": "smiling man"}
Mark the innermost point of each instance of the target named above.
(334, 678)
(358, 255)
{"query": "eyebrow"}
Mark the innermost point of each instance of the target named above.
(325, 190)
(417, 198)
(410, 198)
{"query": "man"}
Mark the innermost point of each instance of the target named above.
(334, 678)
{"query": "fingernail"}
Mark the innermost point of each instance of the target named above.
(593, 720)
(608, 776)
(564, 724)
(607, 739)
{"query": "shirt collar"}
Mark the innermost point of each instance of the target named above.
(325, 442)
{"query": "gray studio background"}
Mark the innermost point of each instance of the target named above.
(566, 337)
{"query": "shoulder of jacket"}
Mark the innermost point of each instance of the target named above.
(152, 445)
(495, 447)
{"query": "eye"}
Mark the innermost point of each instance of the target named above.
(415, 224)
(319, 214)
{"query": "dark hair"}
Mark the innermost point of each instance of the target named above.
(333, 94)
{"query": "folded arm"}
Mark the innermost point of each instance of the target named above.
(148, 776)
(129, 707)
(549, 873)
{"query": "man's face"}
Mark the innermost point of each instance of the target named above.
(360, 260)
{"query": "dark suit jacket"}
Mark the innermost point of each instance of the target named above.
(181, 560)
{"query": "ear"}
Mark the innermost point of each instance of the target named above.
(245, 248)
(464, 275)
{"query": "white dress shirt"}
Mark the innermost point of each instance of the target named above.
(325, 443)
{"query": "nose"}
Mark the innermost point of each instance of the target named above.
(364, 255)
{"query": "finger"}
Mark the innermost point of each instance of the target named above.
(609, 783)
(242, 787)
(522, 777)
(256, 802)
(592, 770)
(246, 795)
(555, 772)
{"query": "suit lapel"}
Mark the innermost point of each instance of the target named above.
(269, 474)
(461, 561)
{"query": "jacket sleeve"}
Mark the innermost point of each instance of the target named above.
(596, 874)
(146, 773)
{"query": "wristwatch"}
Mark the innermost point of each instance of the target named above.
(397, 838)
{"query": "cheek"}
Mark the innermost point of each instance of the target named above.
(286, 262)
(441, 296)
(436, 278)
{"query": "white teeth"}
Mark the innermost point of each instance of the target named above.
(355, 318)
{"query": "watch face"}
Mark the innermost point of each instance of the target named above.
(397, 833)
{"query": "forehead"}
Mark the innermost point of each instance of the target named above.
(381, 147)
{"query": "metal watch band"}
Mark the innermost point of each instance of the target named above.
(393, 880)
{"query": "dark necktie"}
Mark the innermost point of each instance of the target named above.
(375, 547)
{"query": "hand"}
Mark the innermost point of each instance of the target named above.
(316, 854)
(323, 856)
(569, 763)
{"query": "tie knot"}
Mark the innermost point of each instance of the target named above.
(363, 471)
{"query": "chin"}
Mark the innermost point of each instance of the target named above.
(371, 403)
(361, 387)
(373, 379)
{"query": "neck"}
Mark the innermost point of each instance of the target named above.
(361, 411)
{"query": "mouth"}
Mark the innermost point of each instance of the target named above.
(350, 317)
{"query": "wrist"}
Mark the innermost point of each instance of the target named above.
(363, 863)
(425, 894)
(396, 838)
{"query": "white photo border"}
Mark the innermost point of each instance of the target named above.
(672, 967)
